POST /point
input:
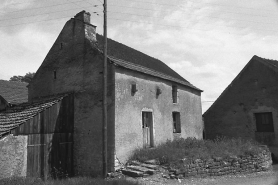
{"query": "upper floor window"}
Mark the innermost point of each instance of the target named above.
(264, 122)
(175, 94)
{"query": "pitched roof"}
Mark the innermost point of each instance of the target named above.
(14, 92)
(19, 114)
(130, 58)
(271, 63)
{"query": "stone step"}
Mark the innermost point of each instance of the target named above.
(141, 169)
(132, 173)
(152, 161)
(150, 166)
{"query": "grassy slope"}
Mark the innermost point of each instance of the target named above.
(70, 181)
(192, 148)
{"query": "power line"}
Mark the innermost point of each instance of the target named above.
(157, 17)
(36, 21)
(274, 31)
(227, 12)
(43, 7)
(163, 4)
(40, 14)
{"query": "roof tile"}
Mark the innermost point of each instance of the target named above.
(15, 116)
(139, 61)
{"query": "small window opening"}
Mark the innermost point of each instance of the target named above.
(158, 92)
(175, 94)
(54, 74)
(133, 89)
(264, 122)
(176, 122)
(61, 45)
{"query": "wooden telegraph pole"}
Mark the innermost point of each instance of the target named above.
(105, 90)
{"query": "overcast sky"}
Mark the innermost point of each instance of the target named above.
(207, 42)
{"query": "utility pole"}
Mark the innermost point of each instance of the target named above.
(104, 147)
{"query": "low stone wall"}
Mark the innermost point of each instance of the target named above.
(219, 166)
(13, 156)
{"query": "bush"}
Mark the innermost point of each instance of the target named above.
(191, 148)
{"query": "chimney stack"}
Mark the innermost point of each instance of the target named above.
(83, 16)
(90, 30)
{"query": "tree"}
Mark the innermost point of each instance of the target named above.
(26, 78)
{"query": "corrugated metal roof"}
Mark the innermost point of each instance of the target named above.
(14, 92)
(19, 114)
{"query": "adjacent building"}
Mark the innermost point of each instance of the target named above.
(248, 107)
(12, 93)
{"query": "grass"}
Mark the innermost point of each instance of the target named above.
(68, 181)
(191, 148)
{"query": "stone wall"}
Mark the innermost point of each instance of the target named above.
(253, 91)
(222, 166)
(13, 156)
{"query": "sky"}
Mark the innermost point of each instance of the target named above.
(208, 42)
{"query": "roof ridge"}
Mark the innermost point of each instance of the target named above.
(140, 61)
(149, 71)
(13, 81)
(270, 62)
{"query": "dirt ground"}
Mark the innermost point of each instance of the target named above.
(262, 178)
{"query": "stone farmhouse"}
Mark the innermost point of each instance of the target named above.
(248, 107)
(61, 125)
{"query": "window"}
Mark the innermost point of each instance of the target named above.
(54, 74)
(175, 94)
(176, 122)
(133, 89)
(264, 122)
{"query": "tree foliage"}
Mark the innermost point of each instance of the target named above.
(26, 78)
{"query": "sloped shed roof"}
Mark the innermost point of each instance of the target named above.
(19, 114)
(130, 58)
(14, 92)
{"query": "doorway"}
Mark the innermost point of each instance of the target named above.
(147, 126)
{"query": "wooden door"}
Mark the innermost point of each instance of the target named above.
(50, 155)
(147, 126)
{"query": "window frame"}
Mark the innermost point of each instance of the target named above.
(264, 121)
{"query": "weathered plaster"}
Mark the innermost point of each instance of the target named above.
(13, 156)
(129, 107)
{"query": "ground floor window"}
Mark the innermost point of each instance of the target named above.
(176, 122)
(264, 122)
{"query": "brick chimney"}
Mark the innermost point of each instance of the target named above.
(90, 30)
(83, 16)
